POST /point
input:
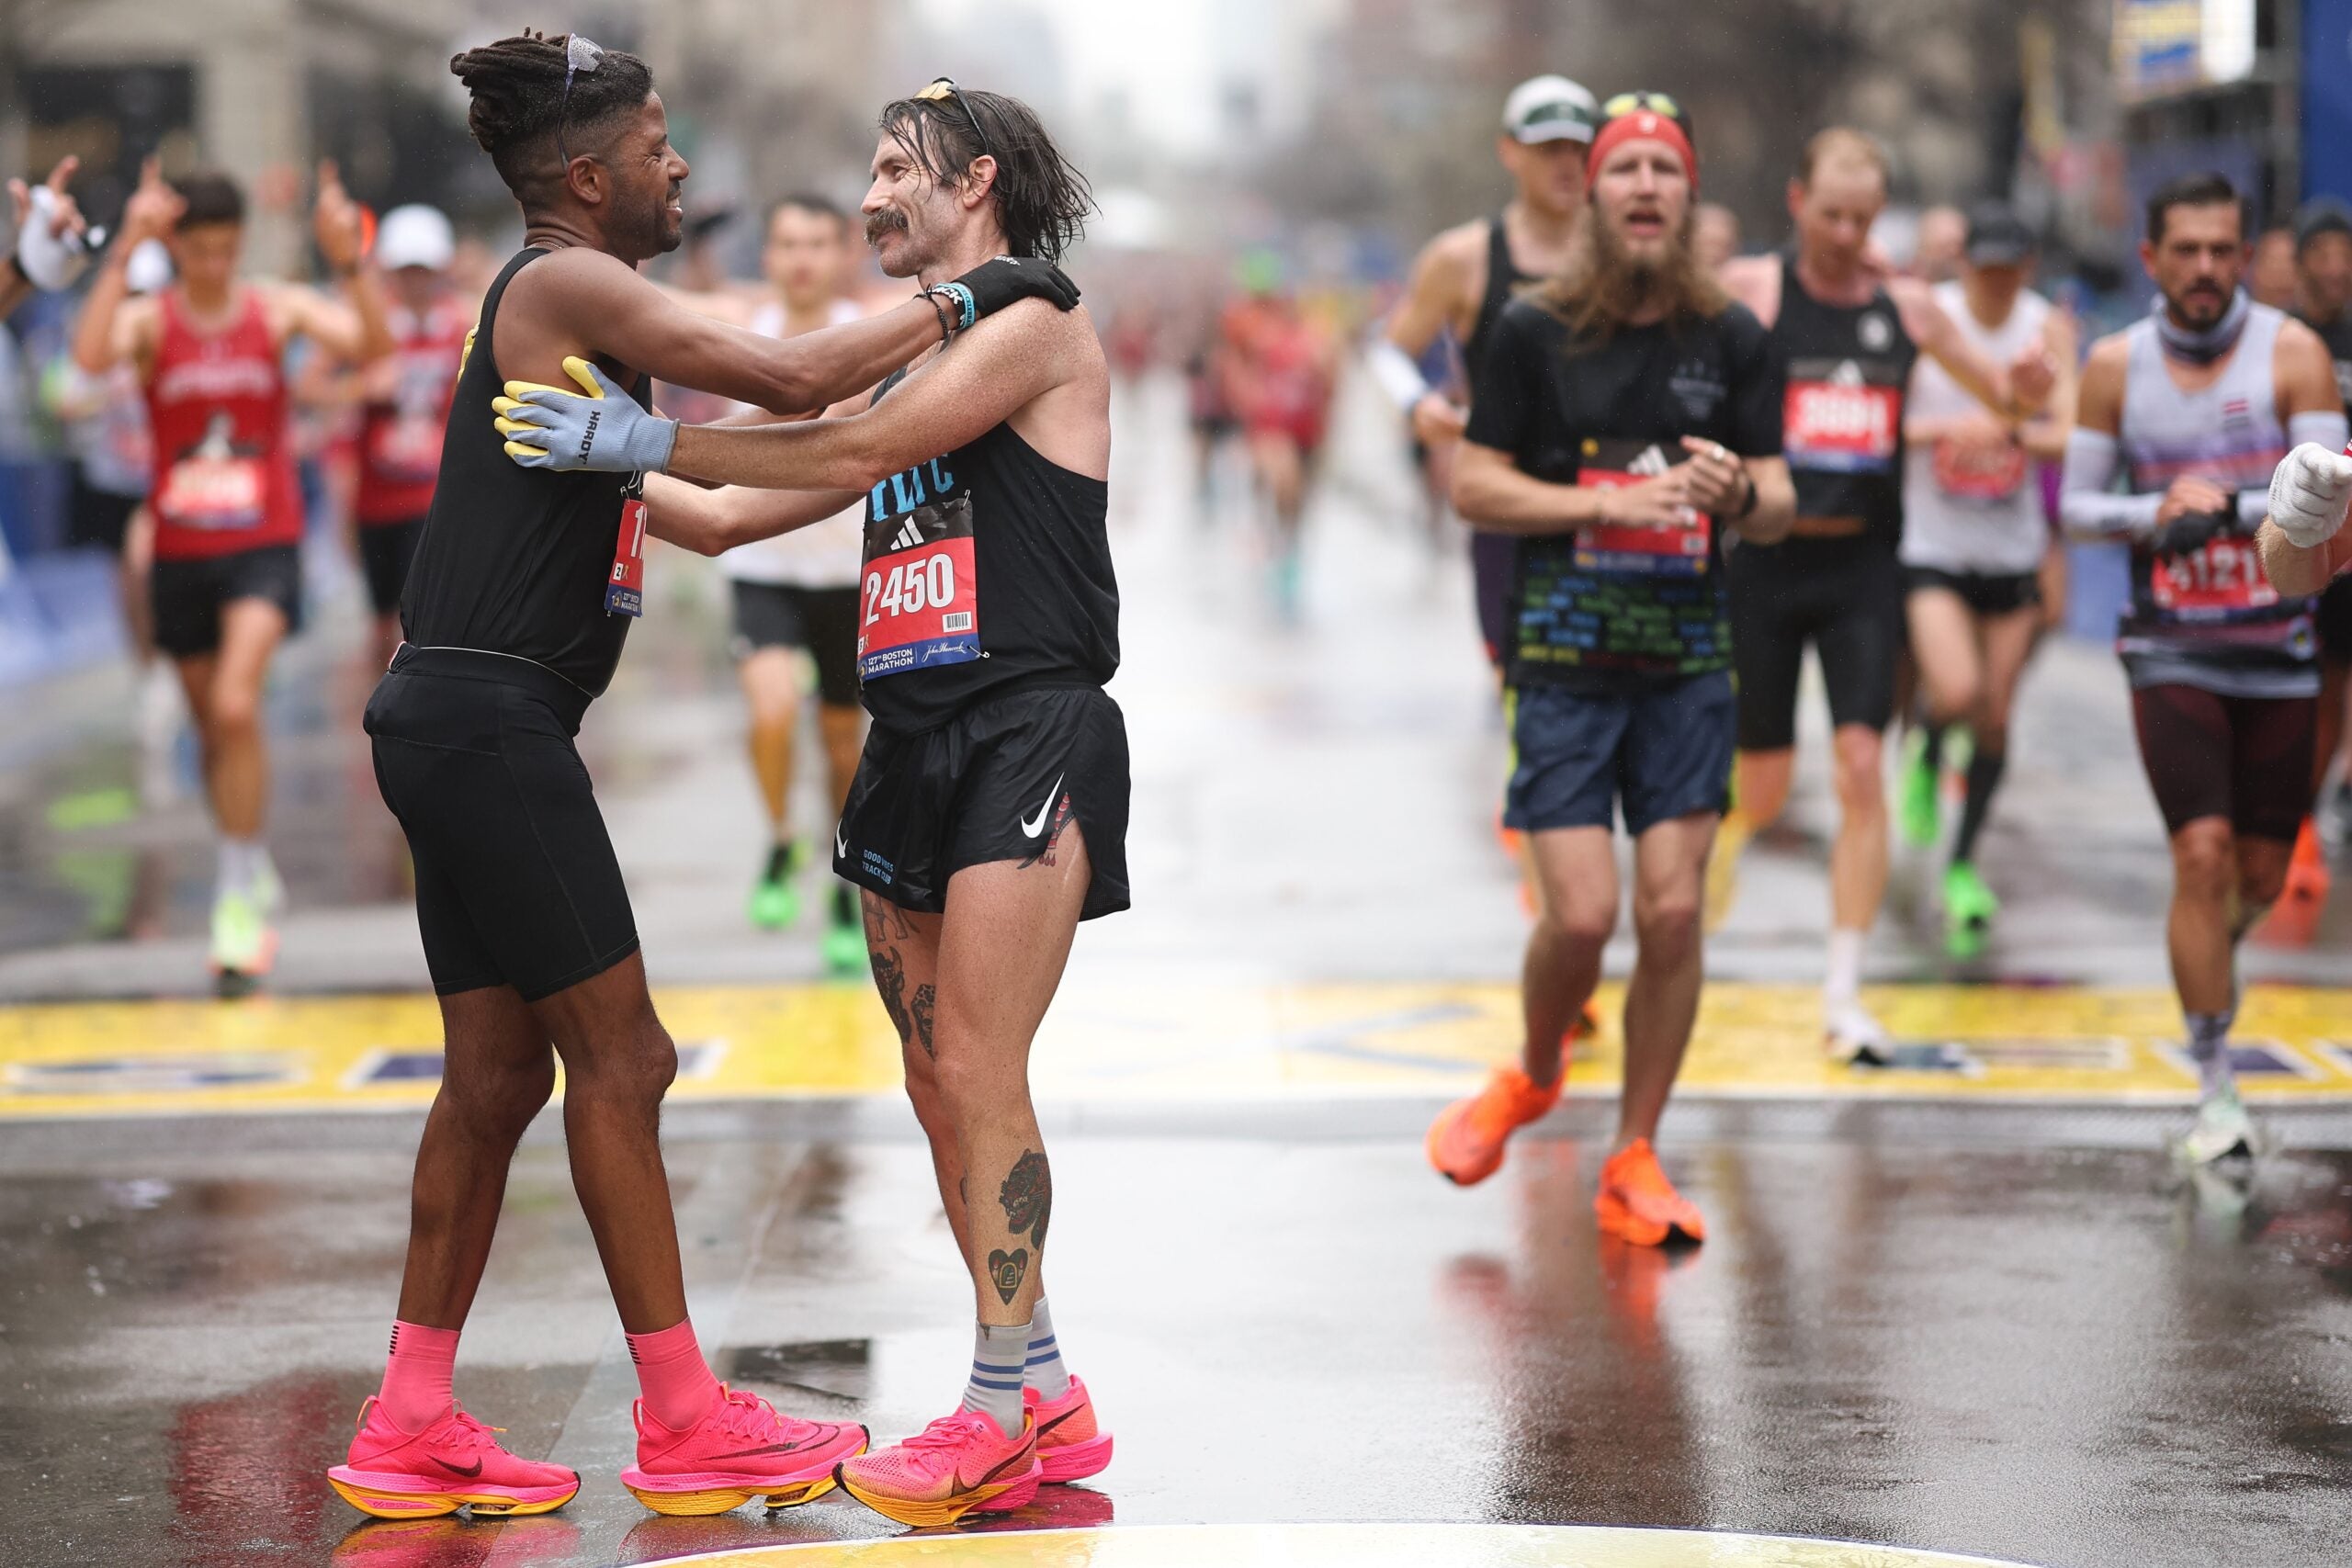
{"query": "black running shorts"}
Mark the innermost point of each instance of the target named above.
(822, 620)
(992, 784)
(2246, 760)
(1845, 597)
(1984, 592)
(516, 883)
(187, 594)
(2334, 622)
(385, 550)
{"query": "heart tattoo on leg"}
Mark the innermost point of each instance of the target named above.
(1006, 1270)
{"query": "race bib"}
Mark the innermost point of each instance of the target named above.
(218, 494)
(1678, 549)
(918, 603)
(406, 448)
(2225, 576)
(1979, 473)
(625, 588)
(1844, 426)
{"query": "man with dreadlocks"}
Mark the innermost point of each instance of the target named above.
(514, 615)
(988, 815)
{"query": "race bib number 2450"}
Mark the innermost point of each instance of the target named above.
(919, 597)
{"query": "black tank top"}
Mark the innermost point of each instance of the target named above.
(987, 570)
(2338, 336)
(515, 560)
(1504, 281)
(1849, 371)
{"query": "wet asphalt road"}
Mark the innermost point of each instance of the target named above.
(1963, 1327)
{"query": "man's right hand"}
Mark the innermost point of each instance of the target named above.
(2308, 494)
(1661, 503)
(1438, 420)
(2190, 496)
(2187, 533)
(1006, 280)
(154, 209)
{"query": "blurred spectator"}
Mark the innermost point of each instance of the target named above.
(1715, 235)
(2271, 280)
(1943, 234)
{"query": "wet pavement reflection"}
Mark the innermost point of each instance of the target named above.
(2047, 1355)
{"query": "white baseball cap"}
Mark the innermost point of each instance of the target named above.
(414, 235)
(1550, 109)
(149, 270)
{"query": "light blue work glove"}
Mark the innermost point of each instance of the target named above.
(604, 432)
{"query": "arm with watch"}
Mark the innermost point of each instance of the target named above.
(54, 241)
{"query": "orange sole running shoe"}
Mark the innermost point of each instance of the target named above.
(455, 1463)
(959, 1465)
(1465, 1142)
(1638, 1204)
(742, 1449)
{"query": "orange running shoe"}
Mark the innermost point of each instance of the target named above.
(1637, 1203)
(961, 1463)
(2307, 874)
(1465, 1142)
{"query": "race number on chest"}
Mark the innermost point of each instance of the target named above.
(1842, 416)
(1677, 549)
(2224, 577)
(919, 599)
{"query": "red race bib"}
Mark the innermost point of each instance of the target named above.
(625, 588)
(1979, 473)
(215, 493)
(1844, 427)
(2226, 575)
(1680, 548)
(918, 605)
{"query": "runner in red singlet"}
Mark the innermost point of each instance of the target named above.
(227, 579)
(407, 403)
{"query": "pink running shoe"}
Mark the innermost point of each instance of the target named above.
(1070, 1445)
(744, 1449)
(957, 1465)
(454, 1463)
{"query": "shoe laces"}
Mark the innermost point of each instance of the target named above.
(462, 1431)
(948, 1431)
(745, 1414)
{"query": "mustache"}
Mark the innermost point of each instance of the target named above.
(890, 220)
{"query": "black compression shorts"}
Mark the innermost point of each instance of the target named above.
(187, 595)
(385, 550)
(1984, 592)
(1845, 597)
(822, 620)
(995, 783)
(2334, 622)
(2246, 760)
(516, 883)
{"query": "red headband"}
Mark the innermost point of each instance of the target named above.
(1642, 125)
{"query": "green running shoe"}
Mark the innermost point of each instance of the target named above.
(2222, 1131)
(1921, 815)
(1969, 904)
(776, 898)
(243, 945)
(844, 943)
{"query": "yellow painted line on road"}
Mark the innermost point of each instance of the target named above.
(1184, 1043)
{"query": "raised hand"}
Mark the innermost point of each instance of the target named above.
(154, 209)
(337, 221)
(52, 237)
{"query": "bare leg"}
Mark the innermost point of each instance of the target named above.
(499, 1072)
(1763, 782)
(138, 566)
(236, 753)
(1577, 869)
(1662, 999)
(1858, 859)
(771, 679)
(844, 729)
(1943, 644)
(1002, 944)
(903, 947)
(618, 1063)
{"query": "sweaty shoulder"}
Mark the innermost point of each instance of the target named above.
(2110, 355)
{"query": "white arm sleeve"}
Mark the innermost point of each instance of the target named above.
(2086, 504)
(1396, 373)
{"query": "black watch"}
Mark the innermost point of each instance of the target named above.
(1747, 507)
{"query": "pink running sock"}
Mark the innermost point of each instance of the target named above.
(416, 1380)
(673, 1376)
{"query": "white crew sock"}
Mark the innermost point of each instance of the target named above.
(994, 1389)
(241, 864)
(1045, 1371)
(1844, 986)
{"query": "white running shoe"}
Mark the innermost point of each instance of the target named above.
(2222, 1131)
(1856, 1039)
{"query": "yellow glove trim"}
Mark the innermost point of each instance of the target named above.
(573, 367)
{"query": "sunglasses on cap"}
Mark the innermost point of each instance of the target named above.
(1637, 103)
(942, 90)
(579, 55)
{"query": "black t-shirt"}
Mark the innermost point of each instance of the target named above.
(2338, 336)
(1617, 609)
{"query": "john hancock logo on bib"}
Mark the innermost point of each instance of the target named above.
(918, 605)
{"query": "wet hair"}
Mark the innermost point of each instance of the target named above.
(1041, 198)
(2191, 190)
(519, 108)
(807, 201)
(1841, 144)
(210, 197)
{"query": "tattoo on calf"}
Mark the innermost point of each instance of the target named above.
(891, 979)
(1028, 1197)
(920, 1011)
(1006, 1270)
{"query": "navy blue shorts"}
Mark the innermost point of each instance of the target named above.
(1579, 756)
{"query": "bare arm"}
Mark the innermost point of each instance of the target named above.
(709, 521)
(2044, 435)
(1776, 501)
(113, 327)
(988, 375)
(1938, 337)
(354, 328)
(581, 301)
(1491, 491)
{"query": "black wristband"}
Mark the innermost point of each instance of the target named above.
(1747, 507)
(939, 309)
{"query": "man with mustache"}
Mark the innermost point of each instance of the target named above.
(1624, 418)
(988, 816)
(2197, 404)
(1850, 335)
(514, 611)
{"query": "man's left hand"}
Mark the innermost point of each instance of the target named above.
(1717, 479)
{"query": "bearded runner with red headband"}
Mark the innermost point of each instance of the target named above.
(1849, 335)
(1626, 416)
